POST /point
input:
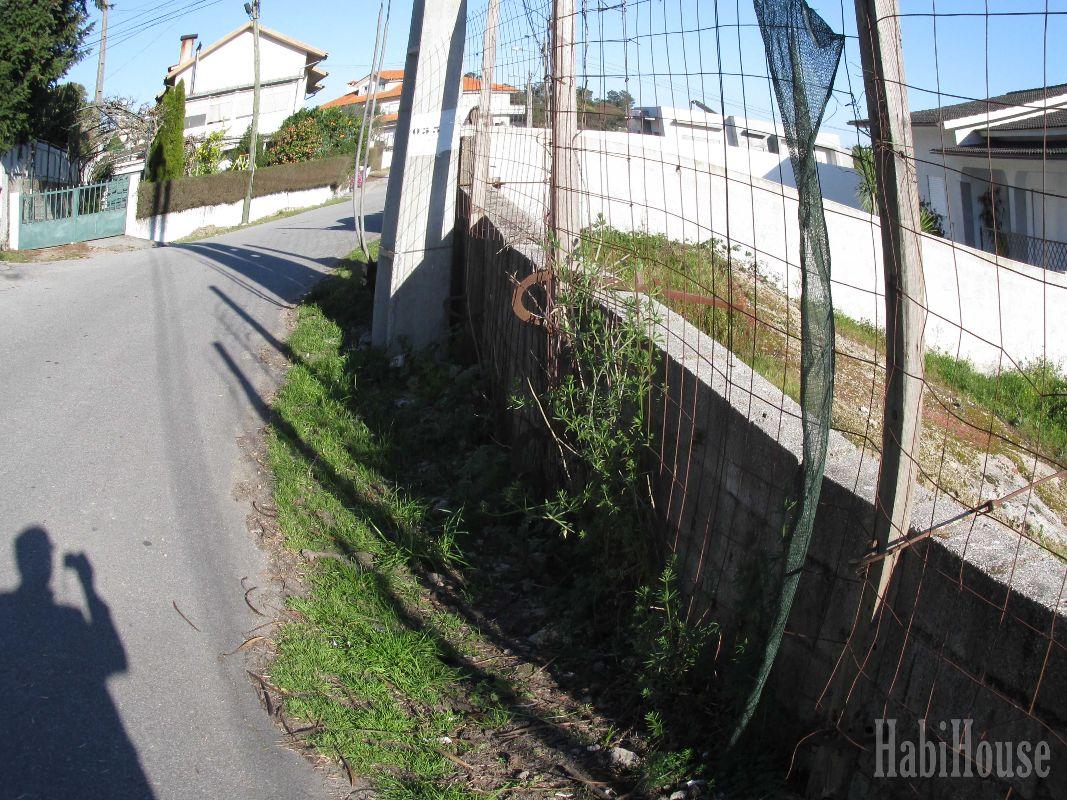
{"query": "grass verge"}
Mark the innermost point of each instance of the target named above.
(444, 645)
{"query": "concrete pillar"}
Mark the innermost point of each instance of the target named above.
(131, 205)
(14, 217)
(415, 256)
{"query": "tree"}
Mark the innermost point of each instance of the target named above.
(57, 118)
(115, 130)
(166, 157)
(863, 162)
(239, 153)
(40, 42)
(623, 99)
(313, 133)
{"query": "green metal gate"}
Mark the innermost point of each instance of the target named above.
(75, 214)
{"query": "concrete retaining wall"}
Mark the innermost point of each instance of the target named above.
(976, 622)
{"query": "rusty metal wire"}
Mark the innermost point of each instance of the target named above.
(687, 195)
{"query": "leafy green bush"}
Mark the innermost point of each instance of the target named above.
(166, 157)
(204, 154)
(239, 154)
(164, 197)
(313, 133)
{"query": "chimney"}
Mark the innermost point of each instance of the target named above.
(187, 48)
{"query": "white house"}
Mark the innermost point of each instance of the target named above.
(390, 83)
(999, 164)
(219, 78)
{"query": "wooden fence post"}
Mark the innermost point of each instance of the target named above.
(565, 178)
(897, 199)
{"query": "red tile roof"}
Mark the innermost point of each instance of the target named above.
(469, 85)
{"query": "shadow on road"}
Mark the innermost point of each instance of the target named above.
(282, 275)
(62, 734)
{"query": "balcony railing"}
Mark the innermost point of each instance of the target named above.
(1029, 249)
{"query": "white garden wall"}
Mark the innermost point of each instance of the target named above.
(177, 225)
(989, 310)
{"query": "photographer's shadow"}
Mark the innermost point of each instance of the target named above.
(61, 733)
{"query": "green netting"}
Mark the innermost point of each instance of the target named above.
(803, 54)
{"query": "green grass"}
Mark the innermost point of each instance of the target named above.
(14, 256)
(396, 471)
(360, 663)
(1032, 399)
(753, 327)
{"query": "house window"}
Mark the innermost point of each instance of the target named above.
(755, 141)
(218, 112)
(275, 100)
(938, 194)
(195, 121)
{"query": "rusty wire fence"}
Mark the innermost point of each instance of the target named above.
(669, 169)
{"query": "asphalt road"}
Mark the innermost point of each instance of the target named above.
(125, 382)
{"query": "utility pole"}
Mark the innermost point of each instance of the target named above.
(364, 133)
(103, 5)
(414, 280)
(564, 181)
(252, 9)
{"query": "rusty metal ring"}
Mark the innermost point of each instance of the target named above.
(518, 305)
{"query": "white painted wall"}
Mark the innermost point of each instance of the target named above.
(169, 227)
(989, 310)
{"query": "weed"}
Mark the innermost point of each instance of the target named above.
(669, 645)
(1032, 399)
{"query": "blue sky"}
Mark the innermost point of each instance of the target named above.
(675, 49)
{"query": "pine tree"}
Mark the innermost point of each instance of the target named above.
(166, 157)
(40, 42)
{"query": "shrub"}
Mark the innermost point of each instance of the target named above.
(239, 154)
(204, 154)
(166, 157)
(165, 197)
(313, 133)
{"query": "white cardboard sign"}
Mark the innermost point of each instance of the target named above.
(431, 133)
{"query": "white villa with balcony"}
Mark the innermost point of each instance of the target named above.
(996, 169)
(219, 79)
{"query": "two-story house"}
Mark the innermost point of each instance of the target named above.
(219, 80)
(390, 83)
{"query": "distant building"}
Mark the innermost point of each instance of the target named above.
(219, 80)
(745, 145)
(700, 126)
(390, 83)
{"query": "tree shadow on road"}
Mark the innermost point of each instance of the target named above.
(62, 733)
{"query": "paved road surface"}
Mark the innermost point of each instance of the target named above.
(125, 381)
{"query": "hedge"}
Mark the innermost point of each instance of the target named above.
(182, 194)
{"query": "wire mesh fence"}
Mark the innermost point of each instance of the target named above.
(674, 154)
